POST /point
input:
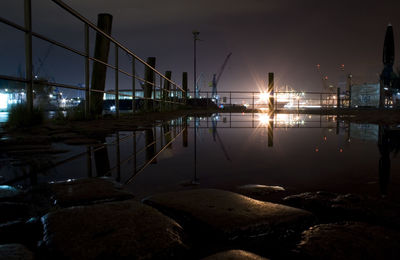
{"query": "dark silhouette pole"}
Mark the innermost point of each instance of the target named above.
(195, 39)
(150, 81)
(386, 78)
(101, 51)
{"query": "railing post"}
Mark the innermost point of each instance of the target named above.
(101, 52)
(116, 82)
(166, 89)
(271, 92)
(184, 86)
(253, 103)
(149, 84)
(133, 86)
(338, 98)
(87, 72)
(320, 100)
(28, 55)
(230, 99)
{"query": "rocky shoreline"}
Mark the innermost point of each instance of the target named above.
(96, 219)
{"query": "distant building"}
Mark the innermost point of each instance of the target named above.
(365, 95)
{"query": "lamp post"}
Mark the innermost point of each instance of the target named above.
(195, 39)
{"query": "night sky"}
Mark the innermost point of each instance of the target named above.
(286, 37)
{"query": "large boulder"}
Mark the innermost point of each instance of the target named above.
(15, 252)
(226, 216)
(235, 255)
(8, 193)
(331, 207)
(126, 229)
(87, 191)
(352, 240)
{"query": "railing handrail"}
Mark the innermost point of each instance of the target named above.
(112, 39)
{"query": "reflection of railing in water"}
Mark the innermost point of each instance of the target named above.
(265, 120)
(152, 145)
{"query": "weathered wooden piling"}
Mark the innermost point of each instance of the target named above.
(338, 98)
(185, 132)
(184, 86)
(149, 82)
(271, 100)
(28, 55)
(166, 90)
(101, 51)
(271, 132)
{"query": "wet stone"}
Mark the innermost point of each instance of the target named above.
(8, 192)
(352, 240)
(81, 141)
(336, 207)
(127, 229)
(235, 255)
(229, 215)
(258, 191)
(87, 191)
(27, 233)
(11, 211)
(15, 252)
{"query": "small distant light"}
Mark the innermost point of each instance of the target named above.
(6, 89)
(325, 138)
(341, 150)
(385, 88)
(36, 76)
(112, 108)
(316, 150)
(50, 96)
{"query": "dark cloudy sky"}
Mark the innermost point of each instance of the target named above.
(288, 37)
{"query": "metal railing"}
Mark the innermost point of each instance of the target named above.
(256, 100)
(175, 94)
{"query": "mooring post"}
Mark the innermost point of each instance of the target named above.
(230, 99)
(101, 51)
(253, 104)
(28, 55)
(271, 131)
(133, 85)
(167, 89)
(87, 72)
(271, 91)
(320, 100)
(184, 86)
(116, 82)
(338, 98)
(149, 82)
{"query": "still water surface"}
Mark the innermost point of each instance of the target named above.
(298, 152)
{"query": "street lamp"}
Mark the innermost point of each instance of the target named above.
(195, 38)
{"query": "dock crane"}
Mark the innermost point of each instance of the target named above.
(217, 76)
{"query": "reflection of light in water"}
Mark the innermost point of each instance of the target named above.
(263, 119)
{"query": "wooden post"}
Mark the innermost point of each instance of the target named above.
(28, 55)
(271, 91)
(101, 51)
(184, 86)
(116, 82)
(150, 80)
(167, 89)
(338, 98)
(133, 85)
(87, 72)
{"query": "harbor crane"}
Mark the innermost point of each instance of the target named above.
(217, 76)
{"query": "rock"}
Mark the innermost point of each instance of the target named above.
(338, 207)
(127, 229)
(15, 252)
(235, 255)
(8, 192)
(11, 211)
(258, 191)
(27, 233)
(350, 241)
(80, 141)
(230, 215)
(87, 191)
